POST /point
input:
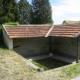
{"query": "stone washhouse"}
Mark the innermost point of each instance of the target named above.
(33, 40)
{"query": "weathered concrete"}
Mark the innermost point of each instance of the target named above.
(69, 60)
(8, 41)
(38, 57)
(65, 59)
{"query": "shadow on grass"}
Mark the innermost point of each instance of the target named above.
(49, 63)
(2, 45)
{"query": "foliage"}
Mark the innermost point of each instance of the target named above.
(67, 23)
(48, 24)
(0, 30)
(1, 36)
(24, 12)
(79, 22)
(42, 13)
(8, 11)
(12, 23)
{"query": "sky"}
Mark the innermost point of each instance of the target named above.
(64, 10)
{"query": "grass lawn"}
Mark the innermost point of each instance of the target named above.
(49, 63)
(14, 67)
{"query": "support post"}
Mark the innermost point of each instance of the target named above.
(77, 55)
(50, 44)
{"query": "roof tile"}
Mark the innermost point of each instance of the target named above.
(65, 30)
(26, 31)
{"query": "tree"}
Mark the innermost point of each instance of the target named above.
(8, 11)
(42, 13)
(24, 9)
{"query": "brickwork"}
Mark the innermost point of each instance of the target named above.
(31, 46)
(65, 46)
(36, 46)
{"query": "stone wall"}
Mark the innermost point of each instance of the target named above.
(31, 46)
(37, 46)
(65, 46)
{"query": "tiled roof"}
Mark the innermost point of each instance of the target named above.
(26, 31)
(65, 31)
(71, 30)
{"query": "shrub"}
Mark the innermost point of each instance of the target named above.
(12, 23)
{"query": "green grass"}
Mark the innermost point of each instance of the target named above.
(72, 71)
(49, 63)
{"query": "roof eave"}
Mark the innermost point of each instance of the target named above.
(78, 34)
(5, 30)
(26, 37)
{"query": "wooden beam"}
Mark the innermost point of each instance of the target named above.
(50, 44)
(77, 55)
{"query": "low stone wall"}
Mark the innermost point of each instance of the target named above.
(65, 46)
(31, 46)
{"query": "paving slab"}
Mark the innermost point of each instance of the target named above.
(64, 59)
